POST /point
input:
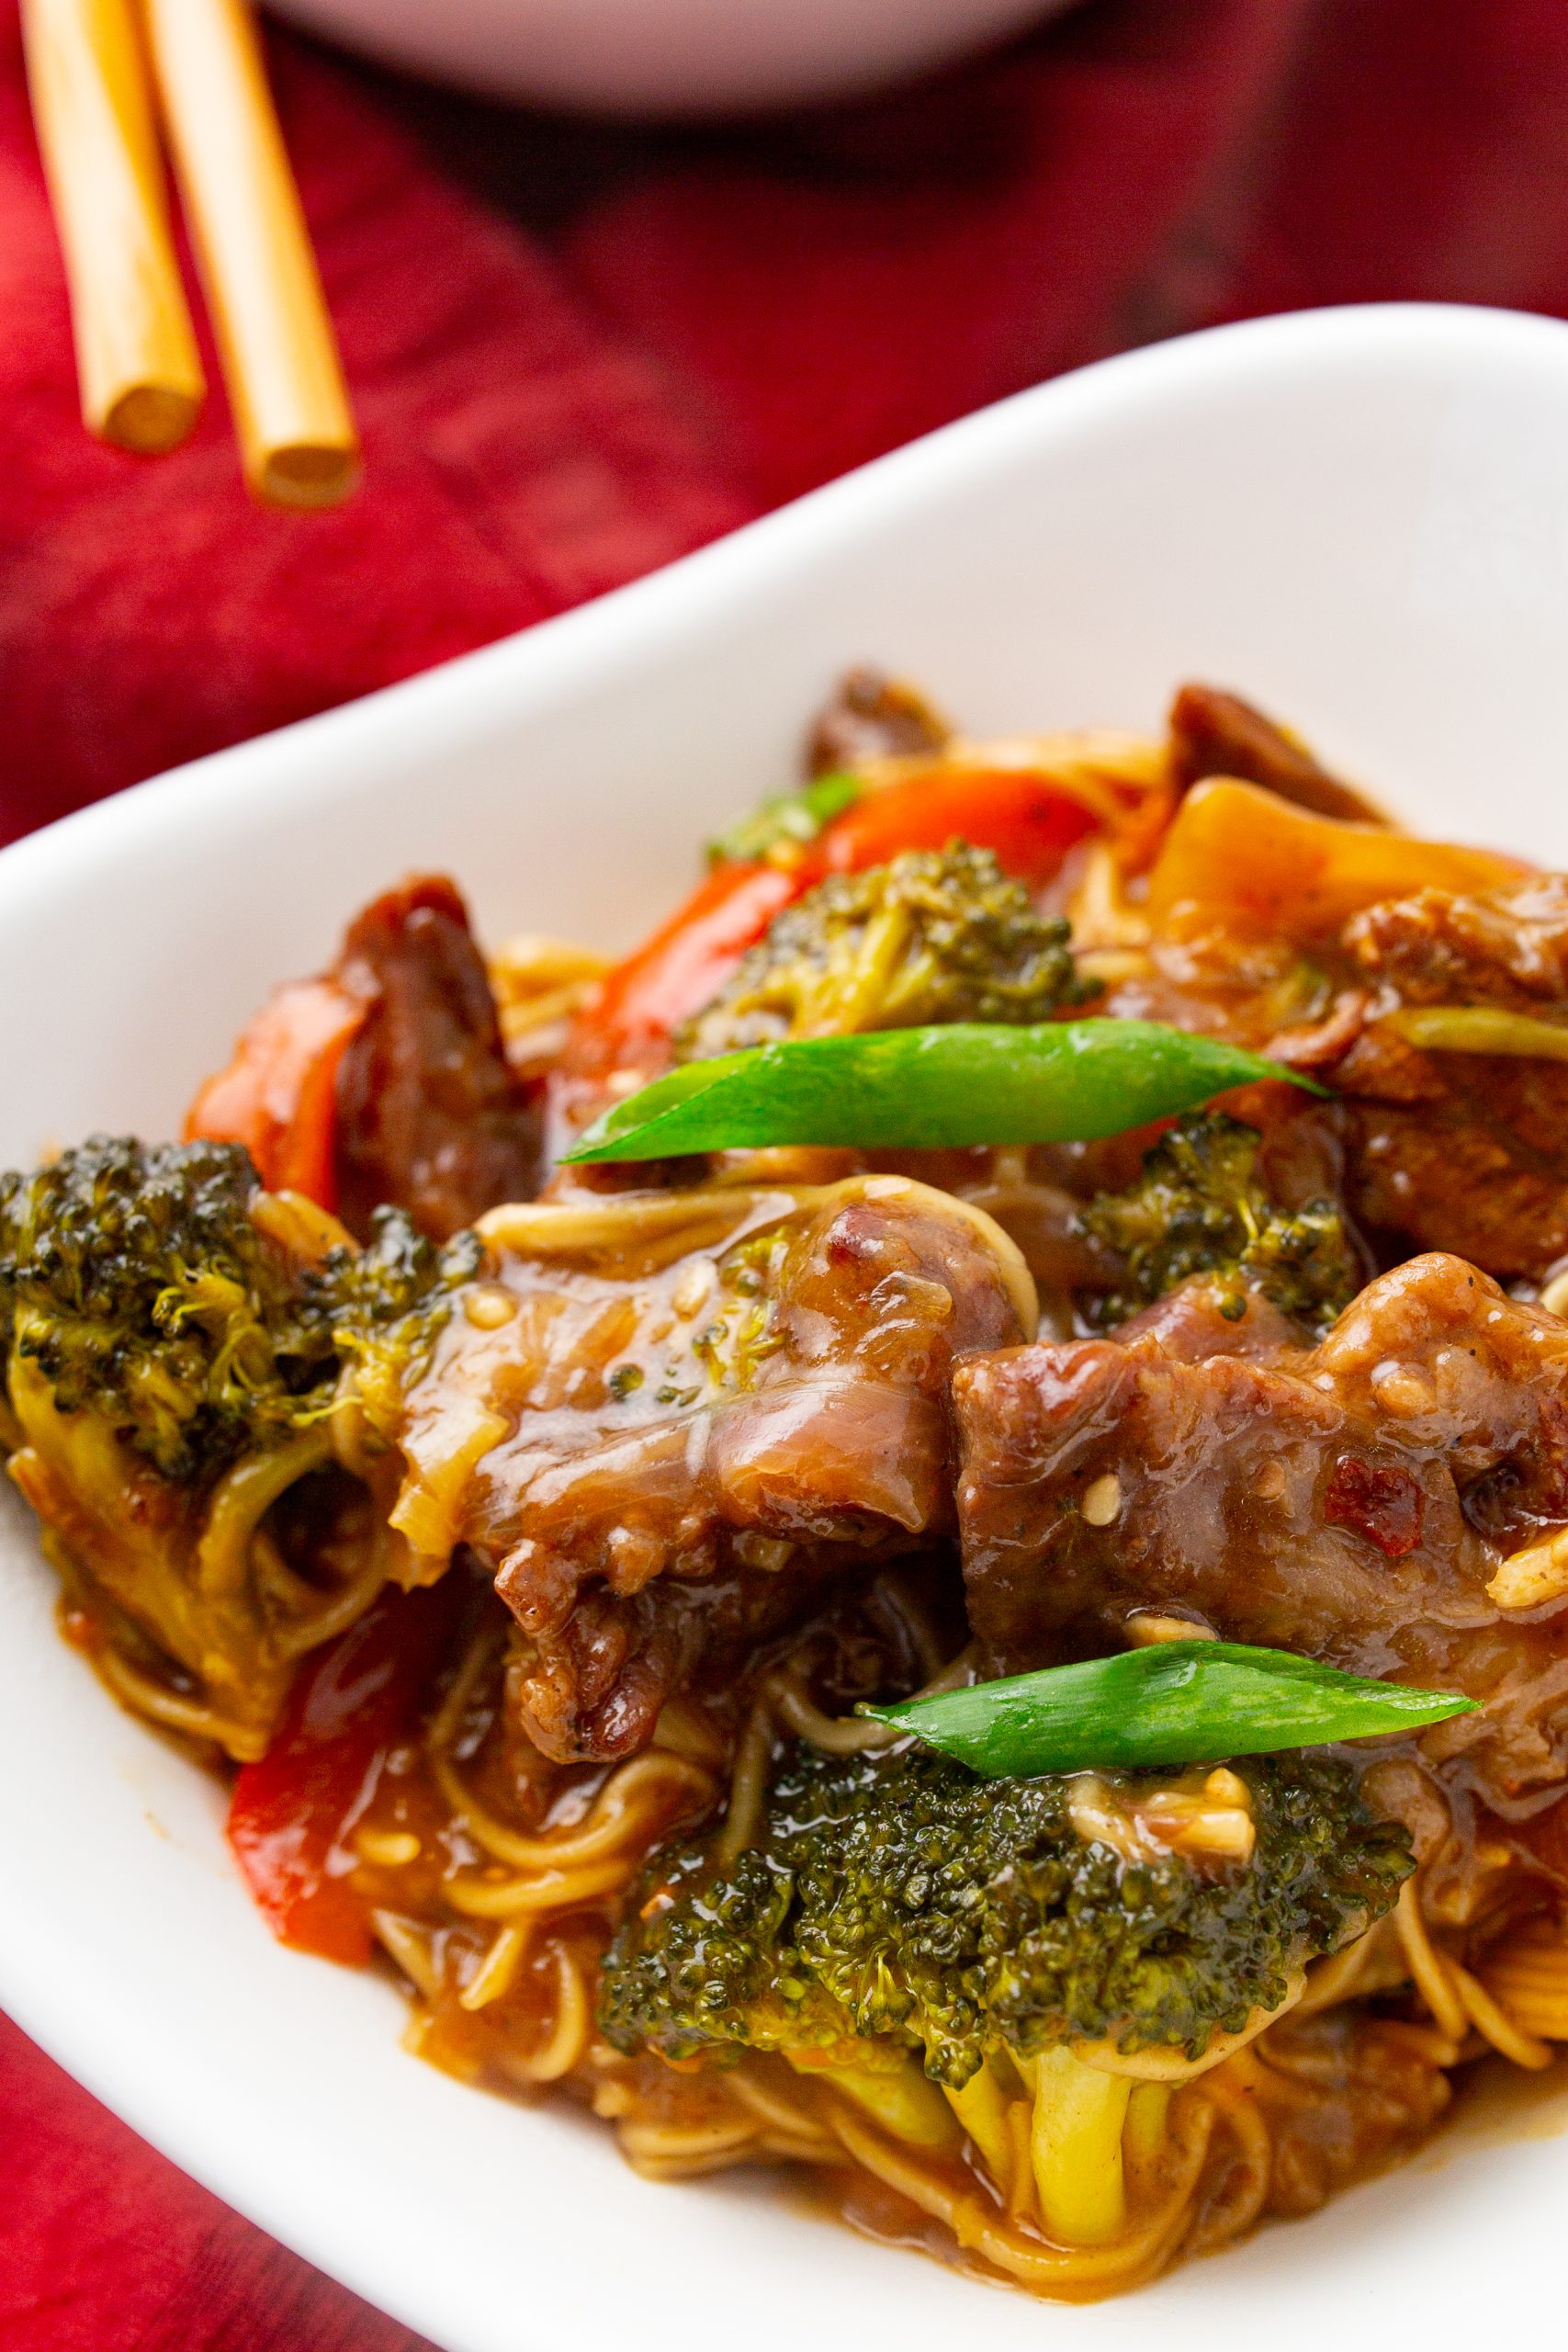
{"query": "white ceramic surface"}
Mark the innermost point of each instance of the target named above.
(667, 57)
(1359, 518)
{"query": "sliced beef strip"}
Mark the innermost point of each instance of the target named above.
(1461, 1172)
(1215, 733)
(430, 1116)
(1350, 1501)
(870, 717)
(1199, 1320)
(1507, 946)
(669, 1465)
(1459, 1151)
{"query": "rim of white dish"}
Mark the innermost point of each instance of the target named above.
(513, 679)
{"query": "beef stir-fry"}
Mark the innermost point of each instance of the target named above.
(920, 1532)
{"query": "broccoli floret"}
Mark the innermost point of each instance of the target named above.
(386, 1303)
(1199, 1208)
(934, 937)
(899, 1901)
(159, 1345)
(133, 1280)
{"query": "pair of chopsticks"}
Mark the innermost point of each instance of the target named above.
(110, 82)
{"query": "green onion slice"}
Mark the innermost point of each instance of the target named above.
(787, 818)
(1175, 1702)
(1481, 1029)
(968, 1082)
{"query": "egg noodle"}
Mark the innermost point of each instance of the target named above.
(497, 1931)
(494, 1879)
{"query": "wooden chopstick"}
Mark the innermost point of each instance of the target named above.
(280, 361)
(136, 365)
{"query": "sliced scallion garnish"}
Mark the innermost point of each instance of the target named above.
(968, 1082)
(1174, 1703)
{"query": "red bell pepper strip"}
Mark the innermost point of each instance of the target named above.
(278, 1094)
(1029, 822)
(291, 1812)
(687, 960)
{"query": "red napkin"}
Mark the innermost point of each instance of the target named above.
(714, 323)
(576, 354)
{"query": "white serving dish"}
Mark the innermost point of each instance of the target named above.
(1360, 518)
(682, 58)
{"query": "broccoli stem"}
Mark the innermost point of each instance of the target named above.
(981, 2107)
(903, 2099)
(1145, 2136)
(1076, 2147)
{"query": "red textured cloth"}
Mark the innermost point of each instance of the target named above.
(577, 353)
(702, 326)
